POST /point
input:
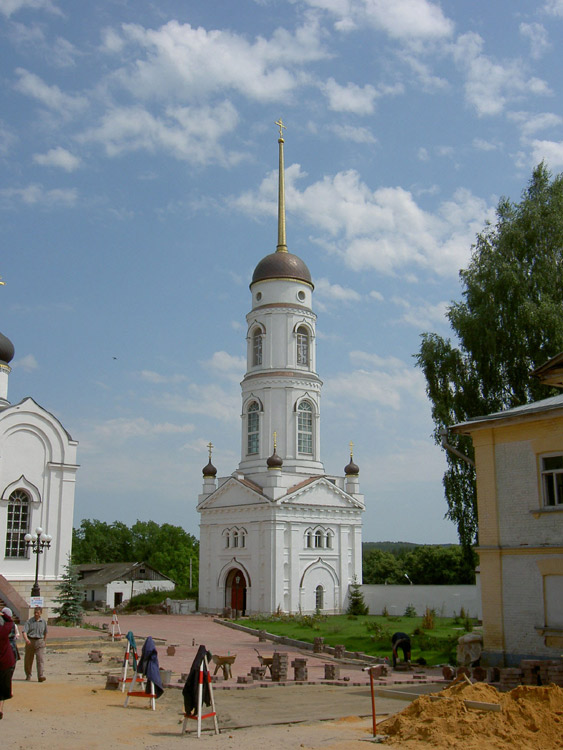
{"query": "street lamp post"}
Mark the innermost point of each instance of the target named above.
(38, 542)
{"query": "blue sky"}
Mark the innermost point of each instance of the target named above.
(138, 192)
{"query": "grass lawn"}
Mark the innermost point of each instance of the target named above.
(370, 634)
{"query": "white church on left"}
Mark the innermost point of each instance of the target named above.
(279, 533)
(37, 481)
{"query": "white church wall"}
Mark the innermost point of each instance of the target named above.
(446, 600)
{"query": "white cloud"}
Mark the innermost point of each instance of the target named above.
(533, 123)
(383, 229)
(376, 295)
(58, 157)
(491, 85)
(226, 365)
(183, 62)
(536, 33)
(483, 145)
(554, 8)
(8, 7)
(550, 151)
(125, 429)
(158, 379)
(384, 381)
(51, 97)
(37, 195)
(209, 400)
(352, 133)
(27, 363)
(423, 154)
(335, 292)
(424, 315)
(7, 139)
(350, 98)
(400, 19)
(190, 133)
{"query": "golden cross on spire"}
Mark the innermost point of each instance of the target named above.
(351, 449)
(281, 126)
(275, 440)
(210, 448)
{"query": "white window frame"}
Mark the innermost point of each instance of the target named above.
(253, 429)
(257, 347)
(552, 481)
(17, 524)
(303, 343)
(305, 430)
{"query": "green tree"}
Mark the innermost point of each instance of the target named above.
(436, 565)
(356, 602)
(379, 566)
(508, 323)
(70, 596)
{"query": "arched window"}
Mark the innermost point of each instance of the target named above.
(319, 598)
(305, 427)
(18, 524)
(329, 540)
(309, 539)
(253, 428)
(243, 538)
(318, 538)
(302, 346)
(257, 347)
(227, 540)
(235, 538)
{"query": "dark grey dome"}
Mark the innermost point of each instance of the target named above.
(280, 265)
(6, 349)
(274, 462)
(209, 470)
(352, 469)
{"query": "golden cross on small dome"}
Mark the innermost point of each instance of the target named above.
(351, 449)
(281, 126)
(210, 448)
(275, 433)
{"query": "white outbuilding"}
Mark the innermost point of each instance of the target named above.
(279, 533)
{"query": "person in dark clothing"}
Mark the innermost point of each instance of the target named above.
(7, 661)
(403, 642)
(190, 689)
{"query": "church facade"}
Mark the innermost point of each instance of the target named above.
(37, 481)
(279, 534)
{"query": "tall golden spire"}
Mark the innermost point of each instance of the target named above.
(282, 246)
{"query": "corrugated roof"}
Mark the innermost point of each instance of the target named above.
(536, 407)
(100, 574)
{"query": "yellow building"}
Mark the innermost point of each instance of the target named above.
(519, 464)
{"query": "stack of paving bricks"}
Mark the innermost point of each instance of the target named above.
(258, 673)
(332, 671)
(318, 645)
(510, 678)
(339, 651)
(300, 672)
(280, 664)
(531, 671)
(555, 673)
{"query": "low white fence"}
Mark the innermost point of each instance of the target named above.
(447, 601)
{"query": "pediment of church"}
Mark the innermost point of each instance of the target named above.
(232, 493)
(320, 491)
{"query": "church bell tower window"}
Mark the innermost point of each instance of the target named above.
(302, 346)
(18, 524)
(253, 418)
(305, 427)
(257, 347)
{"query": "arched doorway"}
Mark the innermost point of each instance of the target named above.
(235, 591)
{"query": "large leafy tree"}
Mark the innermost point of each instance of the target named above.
(167, 548)
(509, 322)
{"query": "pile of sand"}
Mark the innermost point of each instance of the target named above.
(529, 717)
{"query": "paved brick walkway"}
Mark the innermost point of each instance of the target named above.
(187, 632)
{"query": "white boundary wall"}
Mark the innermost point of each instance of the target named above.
(446, 600)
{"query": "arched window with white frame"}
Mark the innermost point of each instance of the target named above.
(253, 428)
(319, 598)
(17, 523)
(319, 538)
(303, 346)
(257, 338)
(329, 539)
(305, 427)
(235, 538)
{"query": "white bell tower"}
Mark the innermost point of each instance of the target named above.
(281, 389)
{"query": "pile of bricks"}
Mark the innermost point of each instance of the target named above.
(95, 656)
(510, 678)
(258, 673)
(280, 664)
(318, 645)
(555, 673)
(332, 671)
(300, 672)
(531, 671)
(339, 651)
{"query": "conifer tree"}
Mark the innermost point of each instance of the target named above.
(356, 601)
(70, 597)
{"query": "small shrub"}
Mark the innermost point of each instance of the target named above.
(352, 617)
(468, 625)
(410, 611)
(428, 619)
(385, 611)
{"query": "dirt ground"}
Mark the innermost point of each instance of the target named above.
(73, 709)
